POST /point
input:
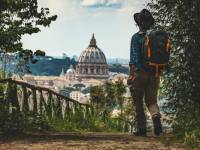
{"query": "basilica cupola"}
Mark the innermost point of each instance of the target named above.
(93, 42)
(92, 62)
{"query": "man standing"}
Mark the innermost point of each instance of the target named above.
(142, 80)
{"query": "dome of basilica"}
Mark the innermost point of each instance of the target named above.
(92, 54)
(92, 62)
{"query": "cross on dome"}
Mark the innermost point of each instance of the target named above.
(93, 42)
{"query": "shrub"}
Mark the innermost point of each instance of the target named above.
(192, 139)
(11, 124)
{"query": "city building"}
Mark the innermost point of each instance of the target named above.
(92, 63)
(80, 97)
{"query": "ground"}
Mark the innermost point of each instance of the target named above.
(90, 141)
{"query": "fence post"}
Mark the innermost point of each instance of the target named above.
(58, 108)
(41, 102)
(15, 102)
(67, 110)
(88, 111)
(34, 100)
(8, 100)
(2, 96)
(25, 106)
(11, 102)
(49, 105)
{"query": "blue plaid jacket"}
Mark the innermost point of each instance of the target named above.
(135, 50)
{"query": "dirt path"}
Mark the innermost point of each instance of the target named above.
(89, 141)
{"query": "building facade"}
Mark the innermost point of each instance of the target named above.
(92, 63)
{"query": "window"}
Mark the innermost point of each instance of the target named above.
(86, 70)
(92, 71)
(98, 70)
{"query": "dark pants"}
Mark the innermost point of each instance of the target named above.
(145, 86)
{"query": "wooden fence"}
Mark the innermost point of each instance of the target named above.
(21, 96)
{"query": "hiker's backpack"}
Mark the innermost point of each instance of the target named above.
(156, 51)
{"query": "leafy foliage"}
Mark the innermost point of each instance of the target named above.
(181, 84)
(25, 57)
(120, 91)
(50, 66)
(98, 100)
(109, 97)
(66, 91)
(39, 53)
(118, 68)
(19, 123)
(20, 17)
(11, 124)
(192, 139)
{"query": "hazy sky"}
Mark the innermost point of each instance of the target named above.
(110, 20)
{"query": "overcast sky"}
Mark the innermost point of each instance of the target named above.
(110, 20)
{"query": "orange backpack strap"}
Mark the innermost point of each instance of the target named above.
(168, 45)
(157, 66)
(148, 47)
(149, 52)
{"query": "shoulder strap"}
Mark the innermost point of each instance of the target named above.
(168, 45)
(147, 44)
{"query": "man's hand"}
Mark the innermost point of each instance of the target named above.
(132, 74)
(130, 79)
(140, 74)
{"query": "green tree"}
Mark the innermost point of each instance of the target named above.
(110, 95)
(66, 91)
(86, 90)
(39, 53)
(129, 113)
(181, 84)
(97, 97)
(79, 86)
(120, 90)
(18, 18)
(25, 57)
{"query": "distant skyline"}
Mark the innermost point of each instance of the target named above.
(110, 20)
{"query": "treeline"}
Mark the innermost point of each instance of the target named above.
(53, 66)
(50, 66)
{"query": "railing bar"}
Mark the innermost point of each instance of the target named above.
(40, 88)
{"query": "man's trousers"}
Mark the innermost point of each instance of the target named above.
(144, 87)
